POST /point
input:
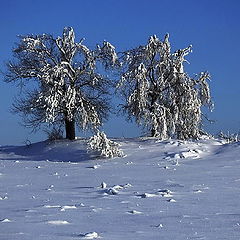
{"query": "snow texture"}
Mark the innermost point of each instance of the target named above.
(106, 147)
(49, 190)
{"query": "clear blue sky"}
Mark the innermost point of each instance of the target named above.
(211, 26)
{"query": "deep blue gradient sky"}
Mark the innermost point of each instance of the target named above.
(212, 27)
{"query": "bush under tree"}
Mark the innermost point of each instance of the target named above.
(104, 146)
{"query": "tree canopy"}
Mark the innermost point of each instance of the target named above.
(69, 87)
(63, 82)
(158, 92)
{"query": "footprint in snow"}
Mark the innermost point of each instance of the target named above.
(113, 190)
(163, 193)
(80, 205)
(158, 226)
(129, 163)
(95, 166)
(148, 195)
(134, 212)
(166, 167)
(50, 188)
(3, 198)
(198, 191)
(30, 211)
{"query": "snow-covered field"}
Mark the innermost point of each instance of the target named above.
(161, 190)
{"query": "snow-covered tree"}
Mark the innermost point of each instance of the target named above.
(159, 93)
(69, 86)
(104, 146)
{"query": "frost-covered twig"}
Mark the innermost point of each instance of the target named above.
(229, 137)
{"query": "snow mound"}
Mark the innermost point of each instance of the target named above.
(5, 220)
(52, 206)
(196, 198)
(90, 235)
(115, 189)
(148, 195)
(58, 222)
(134, 212)
(64, 208)
(3, 198)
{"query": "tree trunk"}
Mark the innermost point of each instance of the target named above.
(70, 129)
(151, 109)
(153, 132)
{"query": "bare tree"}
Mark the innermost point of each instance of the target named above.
(159, 93)
(62, 81)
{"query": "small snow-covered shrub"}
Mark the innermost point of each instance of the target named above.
(229, 137)
(104, 146)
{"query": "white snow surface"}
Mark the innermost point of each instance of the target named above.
(168, 190)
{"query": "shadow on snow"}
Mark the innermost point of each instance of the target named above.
(56, 151)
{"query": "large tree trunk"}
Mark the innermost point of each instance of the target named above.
(153, 132)
(151, 109)
(70, 129)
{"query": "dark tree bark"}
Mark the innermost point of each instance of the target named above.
(153, 132)
(153, 100)
(70, 129)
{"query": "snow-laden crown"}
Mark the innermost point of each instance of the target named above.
(70, 86)
(159, 93)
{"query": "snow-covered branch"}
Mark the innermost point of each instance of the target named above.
(159, 93)
(70, 87)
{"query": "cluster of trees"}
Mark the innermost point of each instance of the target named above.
(66, 84)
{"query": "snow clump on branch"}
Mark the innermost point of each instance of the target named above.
(160, 94)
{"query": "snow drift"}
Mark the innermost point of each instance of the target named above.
(159, 190)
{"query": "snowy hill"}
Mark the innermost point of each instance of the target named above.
(160, 190)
